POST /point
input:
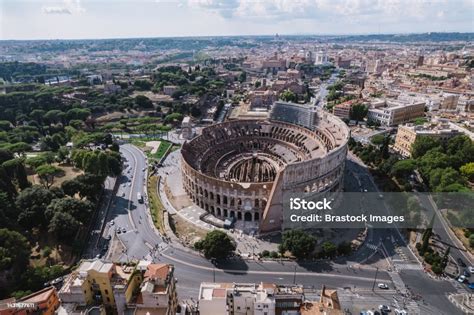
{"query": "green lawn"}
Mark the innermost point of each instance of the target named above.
(164, 146)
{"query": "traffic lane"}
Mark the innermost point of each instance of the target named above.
(442, 234)
(119, 211)
(139, 214)
(95, 239)
(145, 236)
(189, 280)
(433, 292)
(190, 261)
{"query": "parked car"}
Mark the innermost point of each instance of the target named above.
(383, 286)
(462, 278)
(384, 308)
(461, 262)
(466, 273)
(471, 269)
(471, 286)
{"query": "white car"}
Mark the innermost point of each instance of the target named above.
(471, 269)
(383, 286)
(400, 312)
(112, 222)
(462, 278)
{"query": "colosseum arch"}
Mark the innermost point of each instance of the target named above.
(241, 168)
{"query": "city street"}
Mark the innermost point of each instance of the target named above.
(140, 240)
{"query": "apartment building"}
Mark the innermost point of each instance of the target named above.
(157, 293)
(89, 283)
(263, 299)
(142, 287)
(237, 299)
(343, 110)
(393, 113)
(407, 134)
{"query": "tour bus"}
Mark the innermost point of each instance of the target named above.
(139, 198)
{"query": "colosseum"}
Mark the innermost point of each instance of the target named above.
(244, 168)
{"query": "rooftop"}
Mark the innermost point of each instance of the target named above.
(39, 296)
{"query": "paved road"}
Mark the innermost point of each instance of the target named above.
(443, 233)
(95, 239)
(142, 241)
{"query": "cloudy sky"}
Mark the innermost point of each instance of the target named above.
(53, 19)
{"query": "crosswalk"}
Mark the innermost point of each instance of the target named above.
(371, 246)
(407, 266)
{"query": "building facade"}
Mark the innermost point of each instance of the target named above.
(407, 135)
(393, 113)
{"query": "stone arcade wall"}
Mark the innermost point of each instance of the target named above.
(313, 162)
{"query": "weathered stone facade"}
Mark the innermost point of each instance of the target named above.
(243, 168)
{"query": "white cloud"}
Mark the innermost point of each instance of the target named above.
(66, 7)
(56, 10)
(349, 10)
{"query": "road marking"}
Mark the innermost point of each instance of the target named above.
(255, 272)
(131, 189)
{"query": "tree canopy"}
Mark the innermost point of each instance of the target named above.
(298, 242)
(216, 244)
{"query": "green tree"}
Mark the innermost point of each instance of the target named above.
(242, 77)
(16, 171)
(422, 145)
(63, 225)
(8, 211)
(47, 173)
(216, 244)
(71, 187)
(79, 209)
(54, 116)
(80, 114)
(298, 242)
(467, 170)
(19, 147)
(32, 202)
(173, 118)
(143, 101)
(288, 96)
(358, 112)
(5, 125)
(14, 251)
(329, 249)
(402, 169)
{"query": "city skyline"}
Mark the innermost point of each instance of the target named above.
(79, 19)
